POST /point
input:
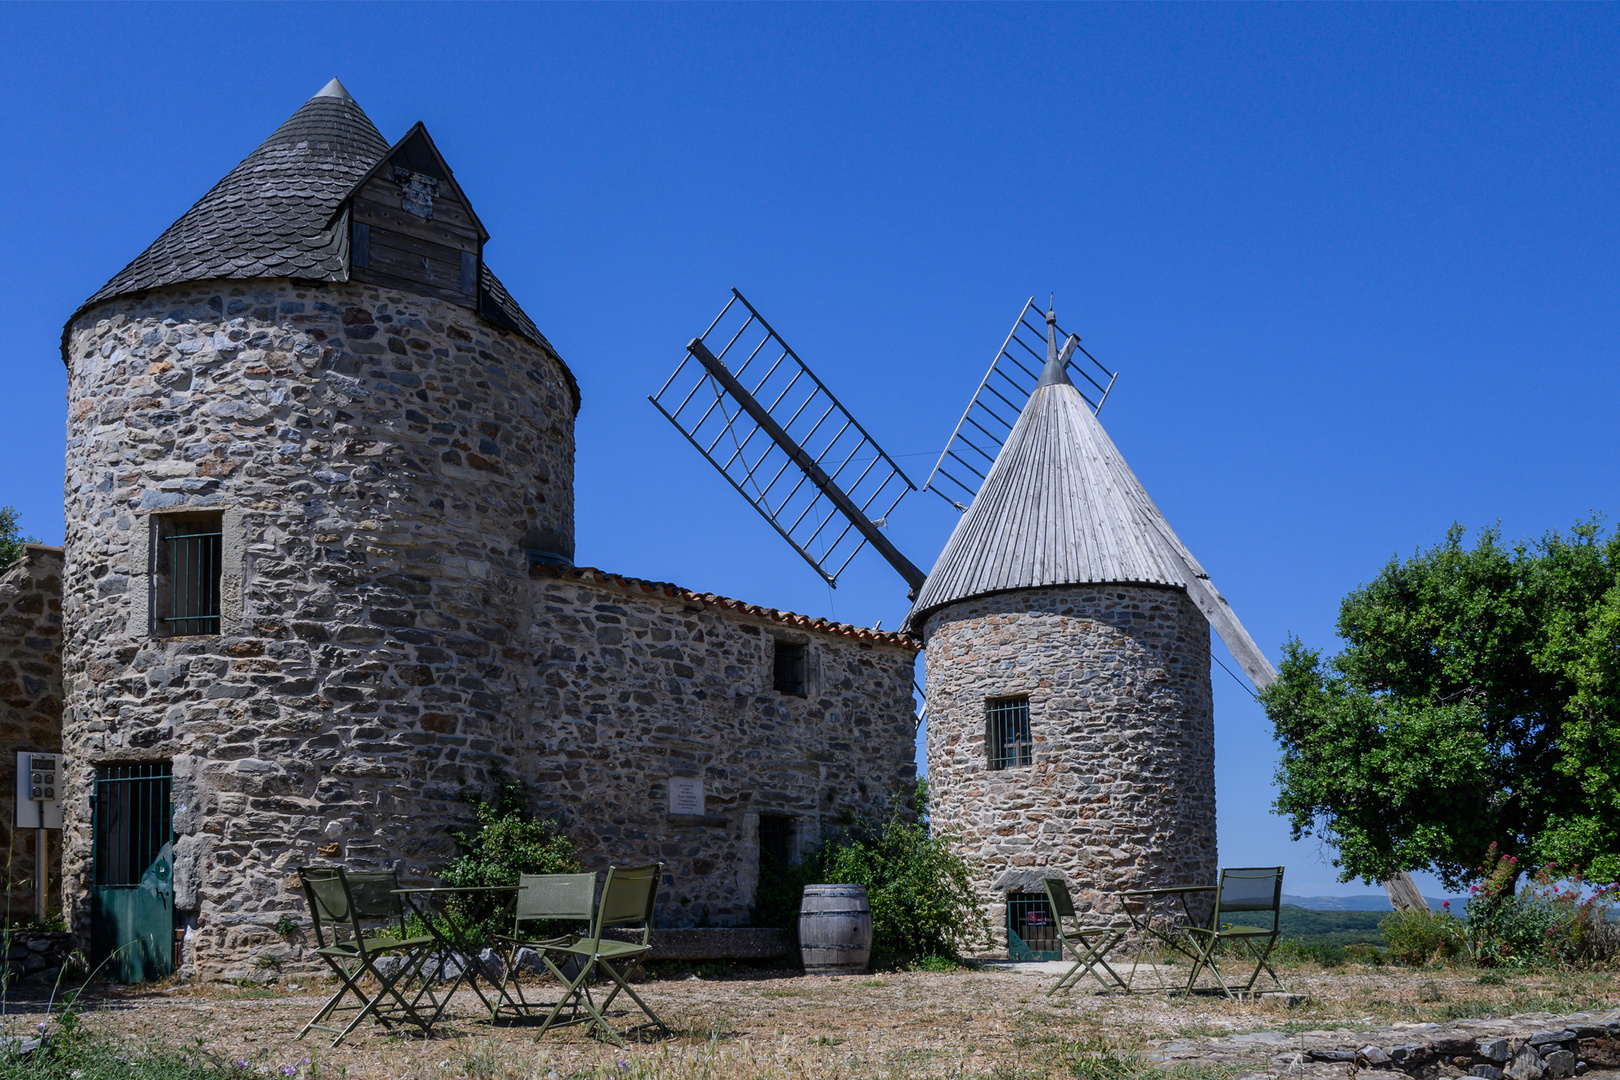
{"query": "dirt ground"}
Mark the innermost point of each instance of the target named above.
(754, 1023)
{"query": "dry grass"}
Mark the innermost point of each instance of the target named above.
(781, 1025)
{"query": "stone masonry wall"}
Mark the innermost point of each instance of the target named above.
(1121, 791)
(30, 707)
(636, 682)
(378, 459)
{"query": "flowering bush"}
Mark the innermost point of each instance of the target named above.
(1557, 918)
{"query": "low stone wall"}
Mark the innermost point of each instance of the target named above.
(714, 943)
(30, 706)
(1530, 1047)
(34, 958)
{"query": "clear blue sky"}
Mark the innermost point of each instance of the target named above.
(1357, 265)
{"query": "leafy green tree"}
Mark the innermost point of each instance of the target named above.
(1476, 702)
(11, 539)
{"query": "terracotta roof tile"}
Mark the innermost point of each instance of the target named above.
(591, 575)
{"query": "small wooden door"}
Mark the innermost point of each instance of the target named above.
(132, 937)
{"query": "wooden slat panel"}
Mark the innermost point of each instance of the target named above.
(437, 273)
(374, 276)
(447, 206)
(388, 215)
(415, 245)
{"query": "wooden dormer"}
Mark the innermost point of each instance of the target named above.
(411, 226)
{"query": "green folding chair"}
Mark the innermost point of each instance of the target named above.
(1089, 946)
(543, 902)
(1256, 888)
(347, 910)
(628, 895)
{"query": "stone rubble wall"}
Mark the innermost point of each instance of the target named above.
(633, 688)
(1535, 1046)
(1121, 791)
(30, 709)
(380, 459)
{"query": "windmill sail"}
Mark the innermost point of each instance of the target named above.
(761, 417)
(994, 409)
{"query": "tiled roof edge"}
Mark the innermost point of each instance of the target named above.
(591, 575)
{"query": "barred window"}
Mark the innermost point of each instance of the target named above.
(1007, 732)
(790, 668)
(186, 582)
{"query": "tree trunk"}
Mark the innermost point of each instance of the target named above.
(1403, 892)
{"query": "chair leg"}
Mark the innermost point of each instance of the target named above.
(621, 984)
(578, 993)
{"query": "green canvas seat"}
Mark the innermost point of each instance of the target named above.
(628, 895)
(543, 902)
(1089, 946)
(1257, 889)
(350, 911)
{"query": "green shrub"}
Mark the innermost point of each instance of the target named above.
(1417, 938)
(509, 840)
(921, 892)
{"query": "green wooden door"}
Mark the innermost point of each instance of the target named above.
(132, 910)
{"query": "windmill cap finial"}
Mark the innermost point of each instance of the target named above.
(335, 89)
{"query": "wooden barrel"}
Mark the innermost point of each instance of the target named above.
(835, 929)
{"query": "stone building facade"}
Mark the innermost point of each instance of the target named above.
(1118, 790)
(319, 578)
(30, 705)
(636, 683)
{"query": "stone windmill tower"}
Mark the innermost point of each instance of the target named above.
(313, 446)
(1066, 628)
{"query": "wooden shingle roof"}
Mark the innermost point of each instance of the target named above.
(1061, 507)
(1058, 507)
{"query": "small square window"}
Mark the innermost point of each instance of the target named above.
(1007, 732)
(185, 585)
(790, 668)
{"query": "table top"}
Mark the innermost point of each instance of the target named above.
(459, 889)
(1171, 890)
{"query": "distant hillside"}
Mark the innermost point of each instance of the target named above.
(1364, 902)
(1333, 927)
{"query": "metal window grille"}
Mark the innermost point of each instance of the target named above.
(1031, 933)
(789, 665)
(192, 557)
(775, 839)
(132, 820)
(1008, 736)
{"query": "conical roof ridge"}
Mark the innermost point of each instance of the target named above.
(269, 216)
(1059, 507)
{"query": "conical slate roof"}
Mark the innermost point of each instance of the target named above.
(269, 216)
(1059, 507)
(276, 216)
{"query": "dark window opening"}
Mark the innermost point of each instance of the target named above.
(775, 840)
(1007, 733)
(790, 668)
(186, 582)
(1031, 933)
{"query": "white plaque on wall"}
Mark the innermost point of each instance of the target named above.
(686, 796)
